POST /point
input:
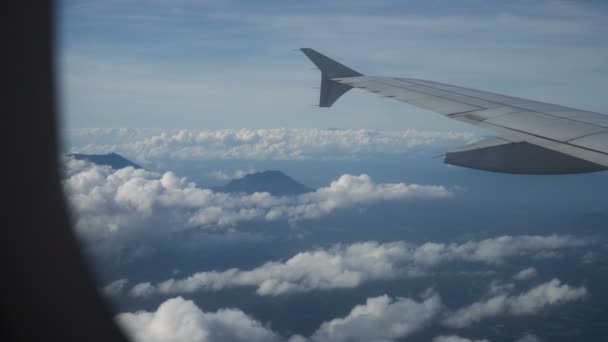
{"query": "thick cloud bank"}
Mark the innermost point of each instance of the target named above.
(152, 145)
(347, 266)
(532, 301)
(178, 320)
(380, 319)
(107, 200)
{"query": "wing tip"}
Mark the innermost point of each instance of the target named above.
(330, 90)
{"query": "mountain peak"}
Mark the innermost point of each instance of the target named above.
(274, 182)
(114, 160)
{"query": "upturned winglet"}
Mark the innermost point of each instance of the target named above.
(330, 90)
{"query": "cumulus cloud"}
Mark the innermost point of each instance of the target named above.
(524, 274)
(142, 289)
(115, 288)
(496, 250)
(380, 319)
(528, 338)
(544, 295)
(236, 174)
(178, 320)
(107, 200)
(338, 267)
(497, 287)
(455, 338)
(347, 266)
(153, 145)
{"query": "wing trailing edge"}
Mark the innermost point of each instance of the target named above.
(499, 155)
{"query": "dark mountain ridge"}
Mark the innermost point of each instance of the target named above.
(274, 182)
(114, 160)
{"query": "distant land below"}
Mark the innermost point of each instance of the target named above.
(114, 160)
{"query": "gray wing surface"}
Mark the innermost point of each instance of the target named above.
(532, 137)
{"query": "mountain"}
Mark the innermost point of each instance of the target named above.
(274, 182)
(116, 161)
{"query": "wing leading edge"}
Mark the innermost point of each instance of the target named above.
(533, 137)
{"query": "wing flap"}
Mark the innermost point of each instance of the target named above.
(594, 156)
(499, 155)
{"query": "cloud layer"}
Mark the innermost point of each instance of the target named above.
(380, 318)
(154, 145)
(178, 320)
(236, 174)
(547, 294)
(347, 266)
(528, 338)
(115, 288)
(455, 338)
(527, 273)
(106, 200)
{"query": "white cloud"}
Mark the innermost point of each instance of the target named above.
(107, 200)
(455, 338)
(527, 273)
(347, 266)
(532, 301)
(154, 145)
(497, 287)
(495, 250)
(380, 319)
(338, 267)
(178, 320)
(297, 338)
(528, 338)
(123, 214)
(142, 289)
(116, 287)
(549, 293)
(236, 174)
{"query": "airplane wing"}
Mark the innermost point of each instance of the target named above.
(532, 137)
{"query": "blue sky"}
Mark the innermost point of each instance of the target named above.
(231, 64)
